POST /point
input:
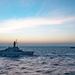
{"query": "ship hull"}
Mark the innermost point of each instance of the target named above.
(27, 53)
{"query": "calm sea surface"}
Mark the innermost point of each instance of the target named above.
(47, 60)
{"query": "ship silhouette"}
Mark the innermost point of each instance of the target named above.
(15, 51)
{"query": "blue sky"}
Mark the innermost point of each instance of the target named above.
(37, 21)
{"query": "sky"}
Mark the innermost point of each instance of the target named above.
(45, 22)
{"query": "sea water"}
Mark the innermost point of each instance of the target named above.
(47, 60)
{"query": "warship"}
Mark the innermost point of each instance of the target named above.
(14, 51)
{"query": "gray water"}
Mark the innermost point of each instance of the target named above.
(47, 60)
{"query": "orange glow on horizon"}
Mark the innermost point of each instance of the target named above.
(37, 41)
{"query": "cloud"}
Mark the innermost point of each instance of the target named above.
(13, 24)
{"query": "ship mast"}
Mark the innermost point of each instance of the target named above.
(14, 44)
